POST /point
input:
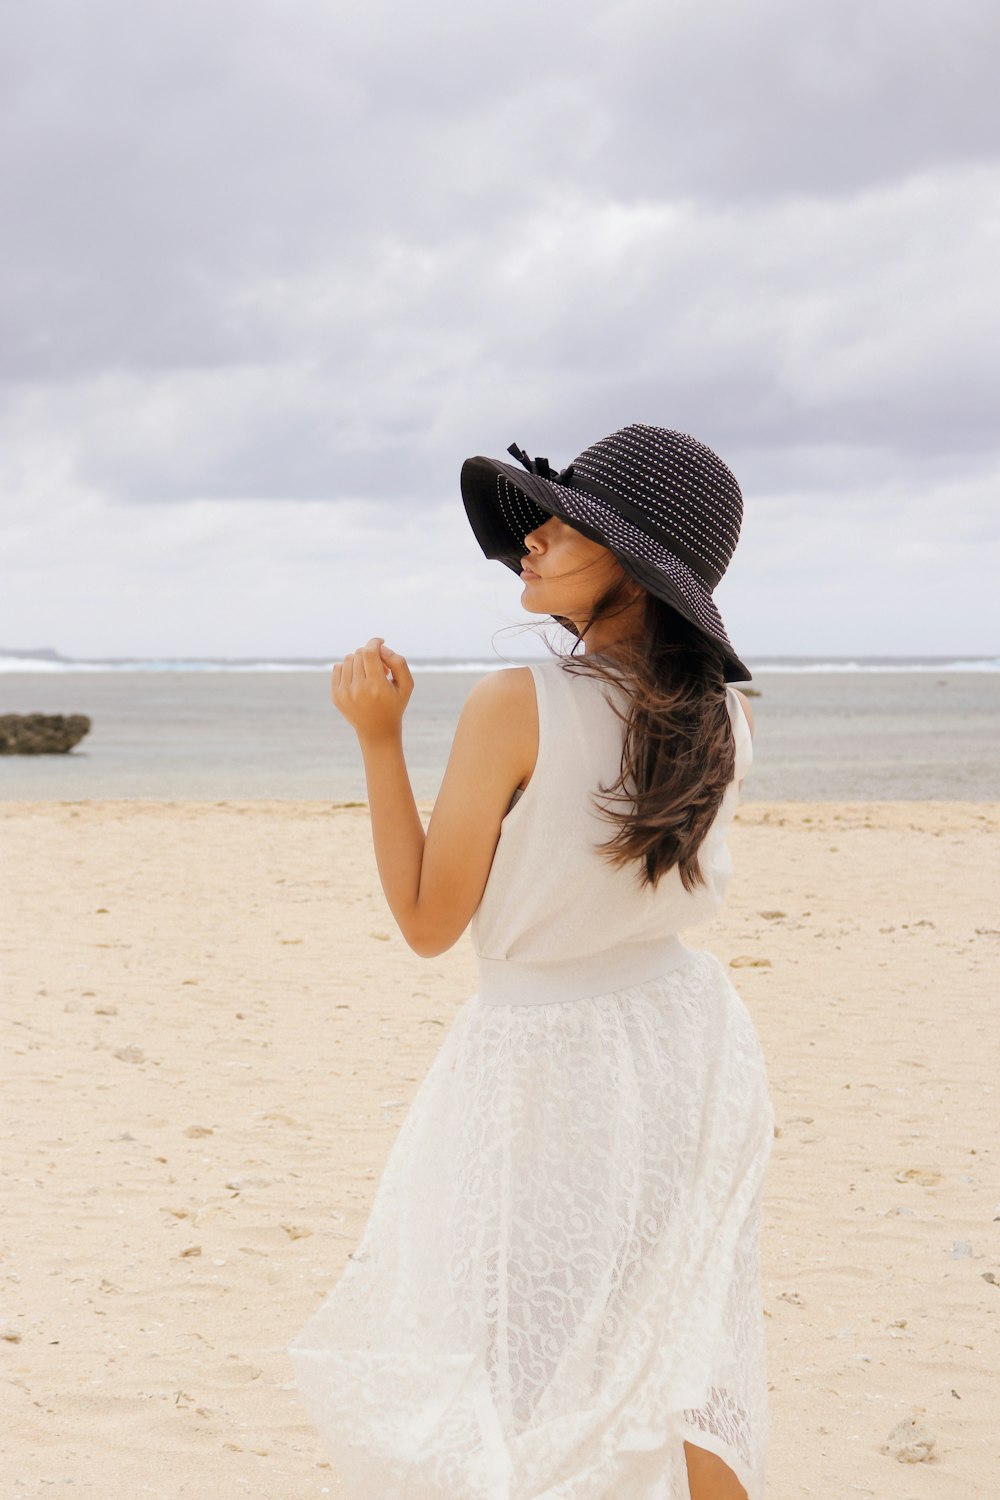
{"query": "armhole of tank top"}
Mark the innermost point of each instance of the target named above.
(743, 737)
(538, 678)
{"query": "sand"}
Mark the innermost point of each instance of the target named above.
(213, 1031)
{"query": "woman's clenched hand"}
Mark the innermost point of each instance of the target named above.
(371, 688)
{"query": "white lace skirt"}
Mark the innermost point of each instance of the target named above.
(559, 1279)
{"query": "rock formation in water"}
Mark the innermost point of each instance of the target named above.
(41, 734)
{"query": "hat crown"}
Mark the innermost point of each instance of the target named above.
(660, 500)
(673, 488)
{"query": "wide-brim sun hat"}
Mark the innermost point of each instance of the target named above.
(664, 503)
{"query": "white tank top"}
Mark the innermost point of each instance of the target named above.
(557, 921)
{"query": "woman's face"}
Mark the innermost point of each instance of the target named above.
(564, 571)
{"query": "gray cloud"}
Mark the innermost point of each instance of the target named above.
(322, 253)
(791, 329)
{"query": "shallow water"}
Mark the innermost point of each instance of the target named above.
(220, 736)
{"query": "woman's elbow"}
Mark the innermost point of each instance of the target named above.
(424, 948)
(428, 940)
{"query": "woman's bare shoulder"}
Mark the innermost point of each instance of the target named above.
(500, 718)
(504, 706)
(506, 688)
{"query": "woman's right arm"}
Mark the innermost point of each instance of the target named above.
(493, 751)
(433, 882)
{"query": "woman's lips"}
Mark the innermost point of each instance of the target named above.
(528, 573)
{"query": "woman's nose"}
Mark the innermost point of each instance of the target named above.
(533, 542)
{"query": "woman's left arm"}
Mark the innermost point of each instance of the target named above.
(433, 882)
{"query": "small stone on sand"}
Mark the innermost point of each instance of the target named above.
(922, 1175)
(909, 1442)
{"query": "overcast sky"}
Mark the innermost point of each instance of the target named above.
(271, 269)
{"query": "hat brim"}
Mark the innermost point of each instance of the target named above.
(504, 503)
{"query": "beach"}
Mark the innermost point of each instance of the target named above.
(214, 1033)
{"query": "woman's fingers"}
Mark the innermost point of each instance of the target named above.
(371, 688)
(401, 673)
(371, 662)
(379, 662)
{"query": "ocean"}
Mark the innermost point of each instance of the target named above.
(827, 729)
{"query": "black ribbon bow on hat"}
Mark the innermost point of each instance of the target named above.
(542, 467)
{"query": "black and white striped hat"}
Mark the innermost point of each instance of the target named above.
(665, 505)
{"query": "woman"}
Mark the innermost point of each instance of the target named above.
(557, 1294)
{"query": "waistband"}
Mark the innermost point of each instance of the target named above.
(504, 981)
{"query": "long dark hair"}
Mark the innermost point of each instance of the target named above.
(678, 750)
